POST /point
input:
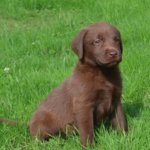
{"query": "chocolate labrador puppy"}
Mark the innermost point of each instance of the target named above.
(91, 93)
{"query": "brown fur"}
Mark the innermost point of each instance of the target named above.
(91, 93)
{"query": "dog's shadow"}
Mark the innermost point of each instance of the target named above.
(133, 109)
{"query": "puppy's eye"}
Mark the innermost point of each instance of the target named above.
(117, 39)
(97, 41)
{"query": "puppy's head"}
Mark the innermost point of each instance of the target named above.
(99, 44)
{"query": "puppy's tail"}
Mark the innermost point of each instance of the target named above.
(12, 122)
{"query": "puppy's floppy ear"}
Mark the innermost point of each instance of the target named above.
(121, 47)
(77, 43)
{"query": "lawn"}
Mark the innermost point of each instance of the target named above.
(35, 57)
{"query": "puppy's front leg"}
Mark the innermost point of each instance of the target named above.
(117, 118)
(84, 118)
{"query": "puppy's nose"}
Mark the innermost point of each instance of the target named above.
(113, 53)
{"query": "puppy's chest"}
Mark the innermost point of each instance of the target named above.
(105, 91)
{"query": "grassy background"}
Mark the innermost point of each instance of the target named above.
(35, 40)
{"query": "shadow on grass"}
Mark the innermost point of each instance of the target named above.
(133, 109)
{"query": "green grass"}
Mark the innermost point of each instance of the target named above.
(35, 38)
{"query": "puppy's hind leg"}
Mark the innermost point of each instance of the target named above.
(43, 127)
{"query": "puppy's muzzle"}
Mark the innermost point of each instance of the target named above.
(112, 53)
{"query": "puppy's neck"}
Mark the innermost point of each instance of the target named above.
(95, 70)
(108, 69)
(102, 68)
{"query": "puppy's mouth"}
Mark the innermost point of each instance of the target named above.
(109, 64)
